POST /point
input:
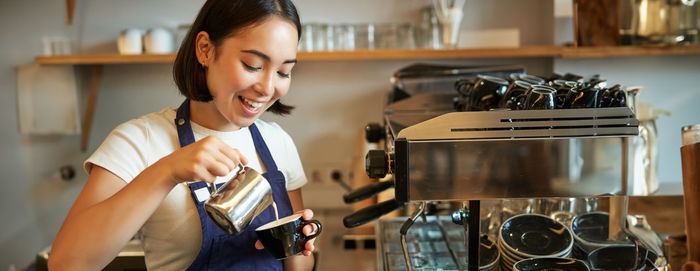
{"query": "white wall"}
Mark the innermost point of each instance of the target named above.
(334, 99)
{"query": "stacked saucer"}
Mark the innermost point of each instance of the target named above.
(532, 236)
(537, 264)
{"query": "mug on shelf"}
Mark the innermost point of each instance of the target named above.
(158, 41)
(130, 41)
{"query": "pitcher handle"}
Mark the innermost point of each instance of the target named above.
(240, 169)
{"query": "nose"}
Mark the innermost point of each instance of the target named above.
(266, 86)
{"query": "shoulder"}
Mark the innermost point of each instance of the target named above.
(135, 144)
(147, 124)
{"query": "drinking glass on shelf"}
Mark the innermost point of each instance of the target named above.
(395, 36)
(322, 37)
(329, 32)
(306, 44)
(387, 35)
(449, 13)
(364, 38)
(344, 37)
(428, 31)
(349, 37)
(406, 36)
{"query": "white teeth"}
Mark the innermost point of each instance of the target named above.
(252, 104)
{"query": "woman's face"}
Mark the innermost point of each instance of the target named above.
(251, 70)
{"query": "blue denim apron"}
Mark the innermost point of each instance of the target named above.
(221, 251)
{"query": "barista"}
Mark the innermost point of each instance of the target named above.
(234, 64)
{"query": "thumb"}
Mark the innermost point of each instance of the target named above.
(259, 245)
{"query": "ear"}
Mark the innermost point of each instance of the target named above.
(204, 48)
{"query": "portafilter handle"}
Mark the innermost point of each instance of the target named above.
(367, 191)
(370, 213)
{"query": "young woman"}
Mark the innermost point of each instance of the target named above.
(150, 172)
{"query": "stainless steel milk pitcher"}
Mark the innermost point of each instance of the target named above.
(238, 201)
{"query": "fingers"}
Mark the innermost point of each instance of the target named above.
(309, 229)
(307, 214)
(203, 174)
(225, 161)
(309, 247)
(233, 155)
(217, 168)
(218, 157)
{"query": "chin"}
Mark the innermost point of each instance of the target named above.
(244, 122)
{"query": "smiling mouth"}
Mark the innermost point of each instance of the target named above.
(251, 105)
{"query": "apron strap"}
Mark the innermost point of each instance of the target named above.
(262, 149)
(182, 122)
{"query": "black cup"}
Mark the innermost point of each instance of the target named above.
(622, 257)
(563, 86)
(540, 97)
(485, 93)
(534, 80)
(619, 97)
(513, 76)
(515, 90)
(572, 77)
(614, 96)
(582, 98)
(284, 237)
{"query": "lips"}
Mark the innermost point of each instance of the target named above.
(251, 107)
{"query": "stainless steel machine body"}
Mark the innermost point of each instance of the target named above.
(438, 154)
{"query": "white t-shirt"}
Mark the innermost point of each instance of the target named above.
(172, 235)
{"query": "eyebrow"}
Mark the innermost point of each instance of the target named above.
(266, 57)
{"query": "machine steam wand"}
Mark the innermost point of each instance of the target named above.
(404, 230)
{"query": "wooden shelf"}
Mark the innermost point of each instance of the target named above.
(628, 51)
(96, 59)
(379, 54)
(383, 54)
(388, 54)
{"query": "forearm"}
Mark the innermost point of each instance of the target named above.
(299, 263)
(90, 238)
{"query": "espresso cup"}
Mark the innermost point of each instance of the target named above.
(622, 257)
(582, 98)
(619, 98)
(486, 92)
(515, 89)
(284, 237)
(534, 80)
(540, 97)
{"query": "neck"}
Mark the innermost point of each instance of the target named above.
(207, 115)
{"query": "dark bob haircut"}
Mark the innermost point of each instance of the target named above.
(222, 19)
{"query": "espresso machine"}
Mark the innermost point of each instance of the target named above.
(464, 175)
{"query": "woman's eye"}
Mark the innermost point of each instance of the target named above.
(283, 75)
(250, 68)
